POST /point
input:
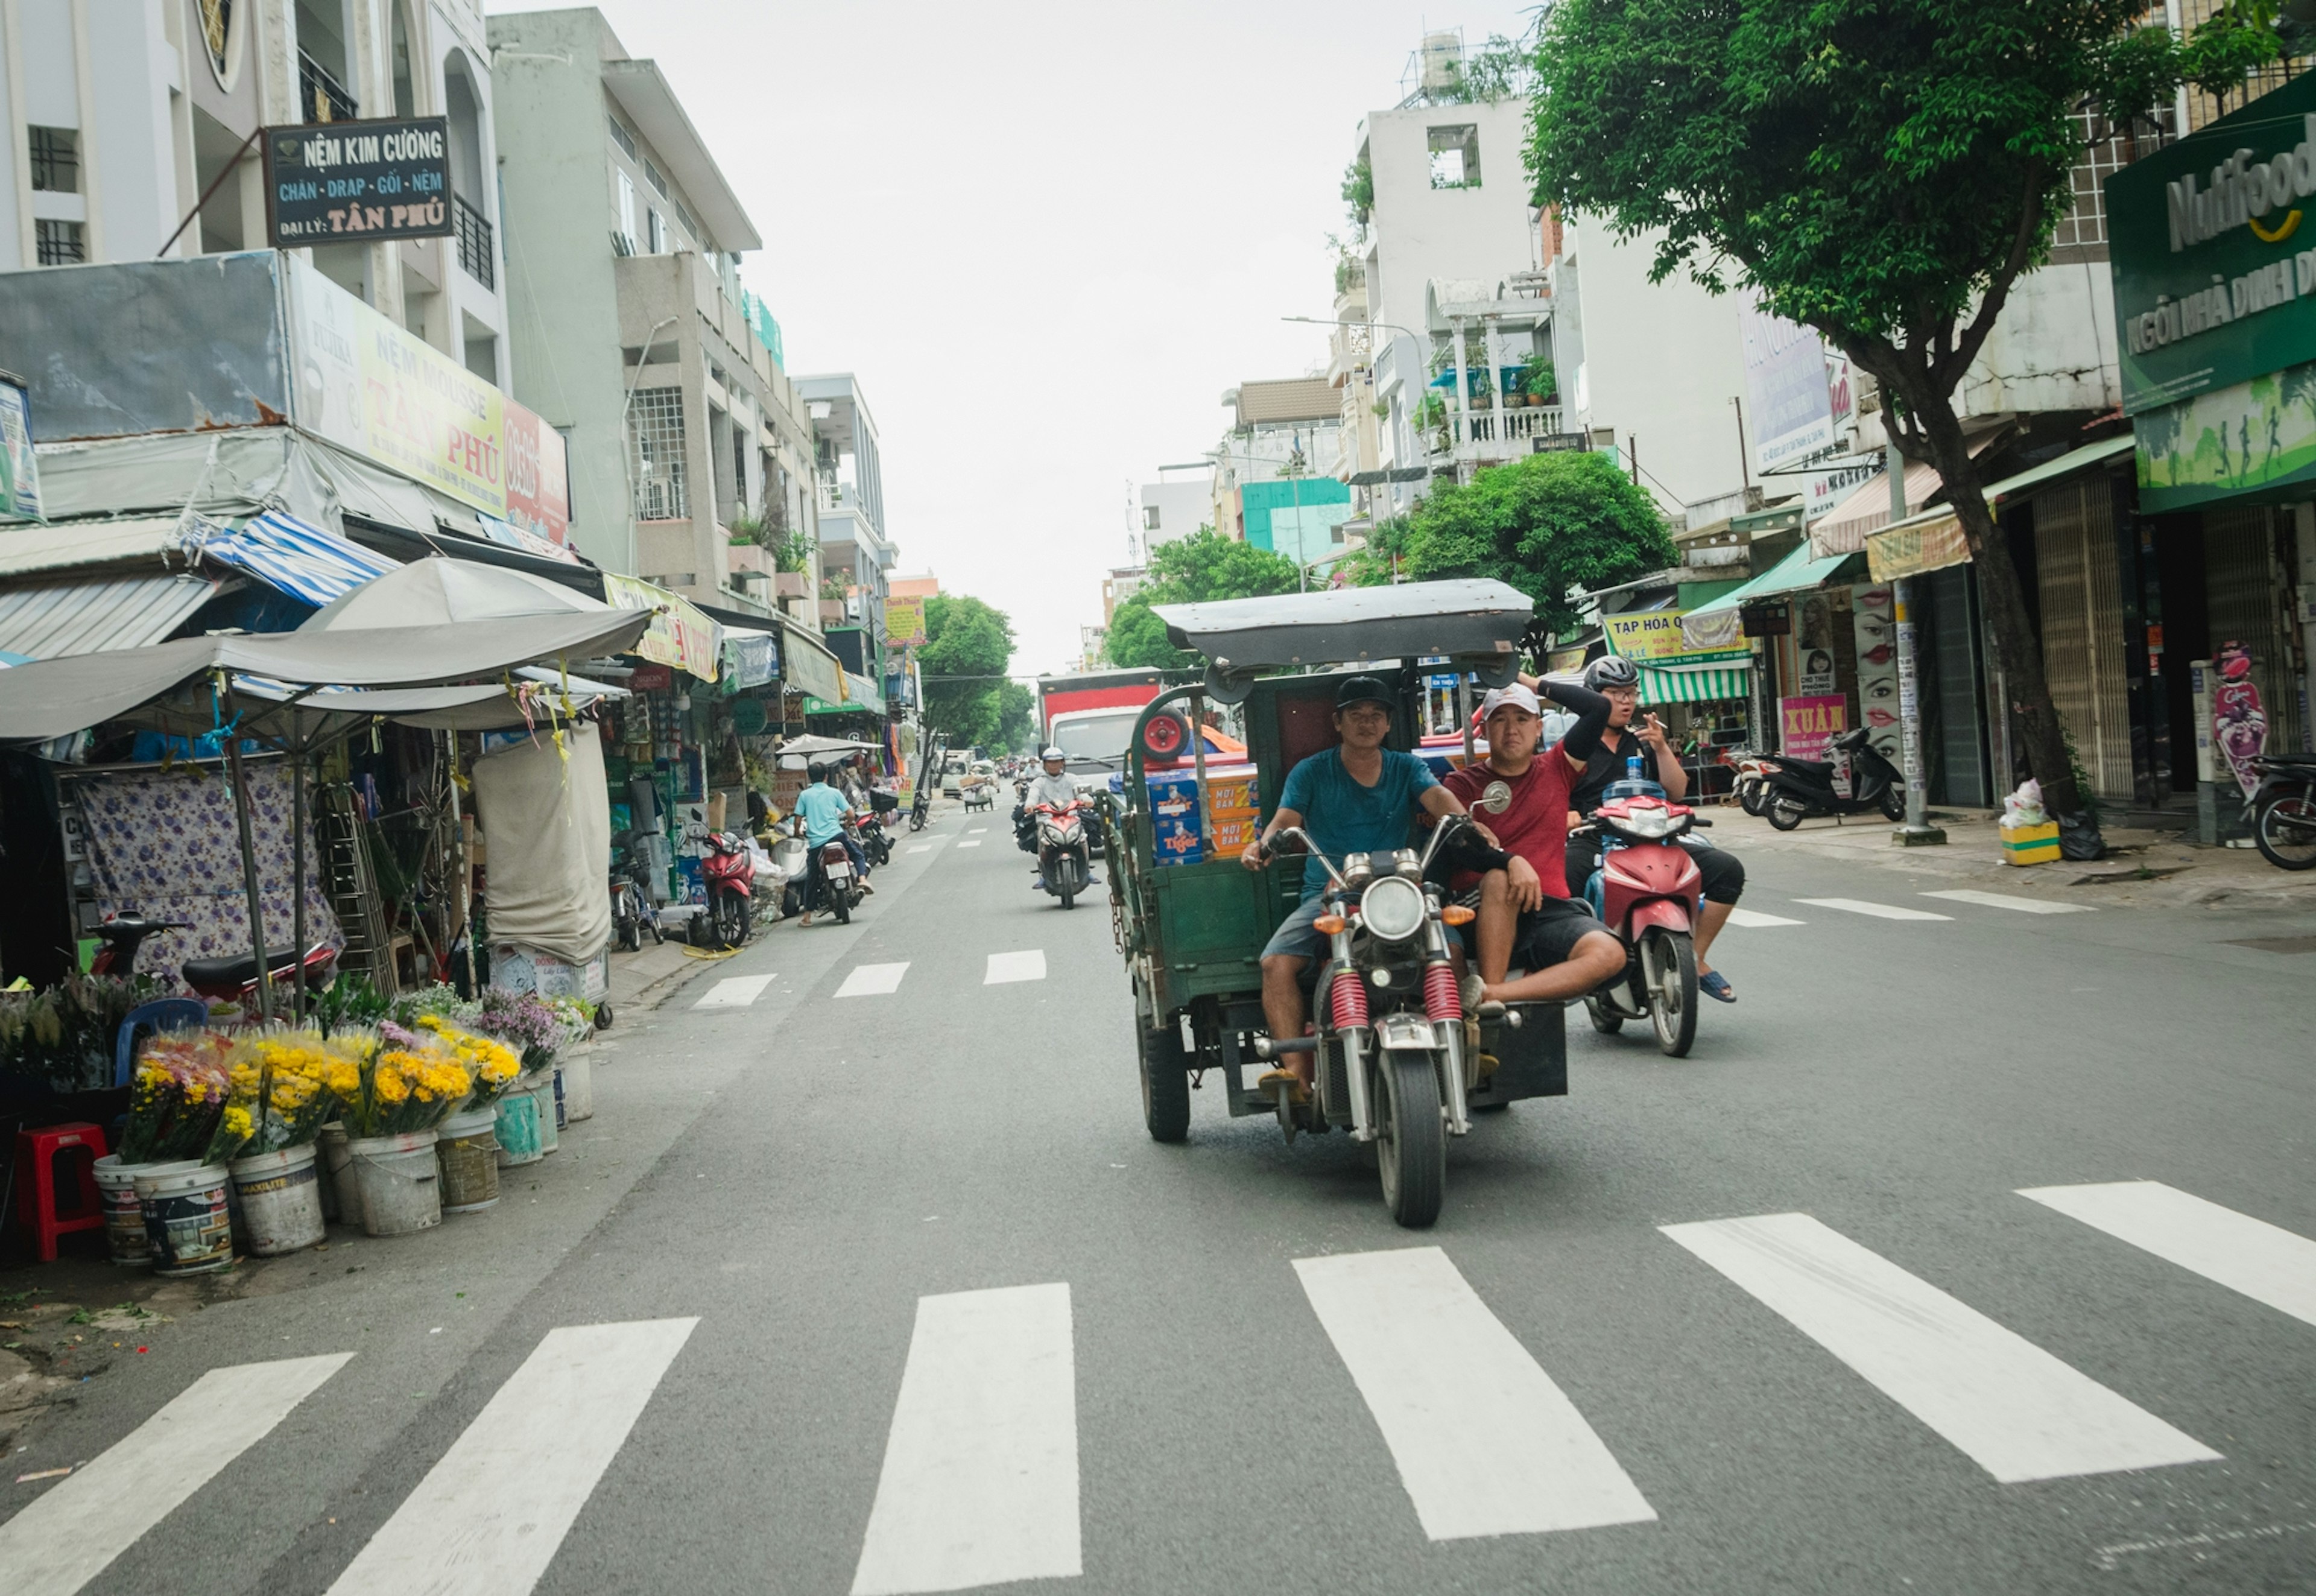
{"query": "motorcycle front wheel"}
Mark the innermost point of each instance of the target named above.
(1411, 1138)
(1668, 965)
(2285, 830)
(1785, 814)
(732, 918)
(1752, 797)
(1893, 803)
(916, 820)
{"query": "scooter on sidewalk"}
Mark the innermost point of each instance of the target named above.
(875, 846)
(1646, 891)
(1857, 780)
(729, 870)
(227, 980)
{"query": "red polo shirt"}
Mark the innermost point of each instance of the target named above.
(1528, 812)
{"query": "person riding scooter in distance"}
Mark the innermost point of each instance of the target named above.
(1616, 678)
(1526, 912)
(822, 808)
(1051, 786)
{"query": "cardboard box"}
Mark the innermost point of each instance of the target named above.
(2030, 844)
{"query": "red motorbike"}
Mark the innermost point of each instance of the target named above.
(731, 878)
(232, 980)
(1646, 891)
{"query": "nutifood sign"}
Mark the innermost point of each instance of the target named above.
(2211, 243)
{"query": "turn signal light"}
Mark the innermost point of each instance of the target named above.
(1458, 914)
(1328, 923)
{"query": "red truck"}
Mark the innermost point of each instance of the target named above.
(1095, 736)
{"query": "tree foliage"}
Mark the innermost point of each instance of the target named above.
(971, 645)
(1198, 570)
(1548, 524)
(1882, 170)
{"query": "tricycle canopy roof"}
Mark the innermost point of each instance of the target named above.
(1463, 619)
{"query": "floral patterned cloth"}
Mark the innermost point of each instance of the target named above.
(167, 845)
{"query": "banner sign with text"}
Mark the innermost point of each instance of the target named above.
(1655, 637)
(20, 471)
(679, 634)
(1786, 394)
(905, 621)
(361, 181)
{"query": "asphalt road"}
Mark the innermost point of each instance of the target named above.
(908, 1300)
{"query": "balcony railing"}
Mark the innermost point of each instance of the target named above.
(474, 251)
(1522, 425)
(322, 96)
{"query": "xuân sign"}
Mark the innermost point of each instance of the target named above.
(364, 182)
(2214, 253)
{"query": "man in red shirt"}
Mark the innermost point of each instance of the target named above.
(1524, 911)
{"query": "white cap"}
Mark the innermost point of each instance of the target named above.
(1519, 695)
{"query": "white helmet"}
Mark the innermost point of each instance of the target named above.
(1052, 754)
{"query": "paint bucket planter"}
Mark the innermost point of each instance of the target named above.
(541, 1087)
(467, 1148)
(401, 1187)
(280, 1200)
(341, 1195)
(518, 1127)
(125, 1241)
(578, 1068)
(186, 1218)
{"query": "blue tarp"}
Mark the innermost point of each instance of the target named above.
(304, 561)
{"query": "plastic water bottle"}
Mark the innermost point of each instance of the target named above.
(1633, 767)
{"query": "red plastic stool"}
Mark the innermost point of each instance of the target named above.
(35, 1163)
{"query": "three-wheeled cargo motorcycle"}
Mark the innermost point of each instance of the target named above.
(1401, 1060)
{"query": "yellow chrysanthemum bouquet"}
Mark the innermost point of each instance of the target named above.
(177, 1096)
(493, 1066)
(296, 1078)
(407, 1080)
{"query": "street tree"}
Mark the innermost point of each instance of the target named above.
(1551, 525)
(968, 646)
(1198, 570)
(1881, 170)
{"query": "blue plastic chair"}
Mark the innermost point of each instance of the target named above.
(162, 1013)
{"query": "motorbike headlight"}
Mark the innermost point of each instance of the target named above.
(1648, 822)
(1393, 909)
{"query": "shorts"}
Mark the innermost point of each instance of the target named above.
(1548, 934)
(1298, 935)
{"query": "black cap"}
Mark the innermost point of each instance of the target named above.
(1359, 690)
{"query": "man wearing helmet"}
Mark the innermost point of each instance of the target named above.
(1050, 786)
(1616, 678)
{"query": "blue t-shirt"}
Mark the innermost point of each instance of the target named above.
(1345, 817)
(822, 808)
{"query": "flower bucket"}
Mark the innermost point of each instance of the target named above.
(518, 1129)
(401, 1187)
(186, 1218)
(280, 1200)
(578, 1067)
(541, 1087)
(340, 1192)
(467, 1148)
(125, 1241)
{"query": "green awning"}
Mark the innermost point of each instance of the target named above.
(1693, 684)
(1796, 573)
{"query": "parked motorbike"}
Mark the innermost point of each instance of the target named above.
(730, 875)
(792, 861)
(1064, 862)
(632, 912)
(875, 846)
(1646, 891)
(1750, 782)
(1803, 788)
(2284, 810)
(230, 979)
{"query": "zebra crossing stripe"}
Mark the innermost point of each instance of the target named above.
(2007, 1404)
(1741, 916)
(873, 980)
(1859, 906)
(969, 843)
(488, 1520)
(735, 991)
(2003, 900)
(70, 1534)
(1484, 1441)
(1028, 965)
(2266, 1262)
(980, 1481)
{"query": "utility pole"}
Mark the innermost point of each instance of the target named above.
(1916, 831)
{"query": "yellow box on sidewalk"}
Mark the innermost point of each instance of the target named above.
(2030, 844)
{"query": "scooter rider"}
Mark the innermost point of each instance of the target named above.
(821, 808)
(1051, 786)
(1616, 678)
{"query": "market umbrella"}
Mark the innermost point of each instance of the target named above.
(433, 592)
(809, 745)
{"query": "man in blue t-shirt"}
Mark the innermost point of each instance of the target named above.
(1356, 797)
(823, 809)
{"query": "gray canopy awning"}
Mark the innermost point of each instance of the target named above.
(1459, 618)
(53, 697)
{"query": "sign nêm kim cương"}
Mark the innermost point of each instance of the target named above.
(364, 182)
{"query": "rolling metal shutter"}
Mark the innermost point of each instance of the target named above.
(2081, 594)
(2244, 593)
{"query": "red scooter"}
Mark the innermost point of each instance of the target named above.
(1646, 891)
(232, 980)
(731, 878)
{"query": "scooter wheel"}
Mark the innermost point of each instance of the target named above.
(603, 1016)
(1894, 805)
(1784, 816)
(1751, 797)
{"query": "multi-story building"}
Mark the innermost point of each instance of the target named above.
(691, 454)
(1172, 511)
(132, 135)
(1267, 487)
(856, 555)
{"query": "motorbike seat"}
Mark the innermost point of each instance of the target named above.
(235, 972)
(1807, 767)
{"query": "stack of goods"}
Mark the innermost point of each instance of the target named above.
(1181, 836)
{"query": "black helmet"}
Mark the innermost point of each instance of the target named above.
(1611, 670)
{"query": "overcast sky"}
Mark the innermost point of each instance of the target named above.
(1046, 238)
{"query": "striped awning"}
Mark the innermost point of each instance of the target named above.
(98, 616)
(1693, 684)
(305, 562)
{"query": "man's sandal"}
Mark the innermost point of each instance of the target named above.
(1300, 1092)
(1716, 986)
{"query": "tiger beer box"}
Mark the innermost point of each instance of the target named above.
(1178, 835)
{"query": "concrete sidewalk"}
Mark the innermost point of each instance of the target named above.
(2143, 866)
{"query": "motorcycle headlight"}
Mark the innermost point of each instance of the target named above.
(1648, 822)
(1393, 909)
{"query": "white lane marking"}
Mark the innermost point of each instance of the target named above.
(1027, 966)
(2266, 1262)
(968, 845)
(488, 1520)
(2003, 900)
(1744, 916)
(1485, 1443)
(1859, 906)
(980, 1482)
(69, 1535)
(976, 831)
(735, 991)
(920, 847)
(873, 980)
(2011, 1407)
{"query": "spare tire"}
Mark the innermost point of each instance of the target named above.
(1166, 736)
